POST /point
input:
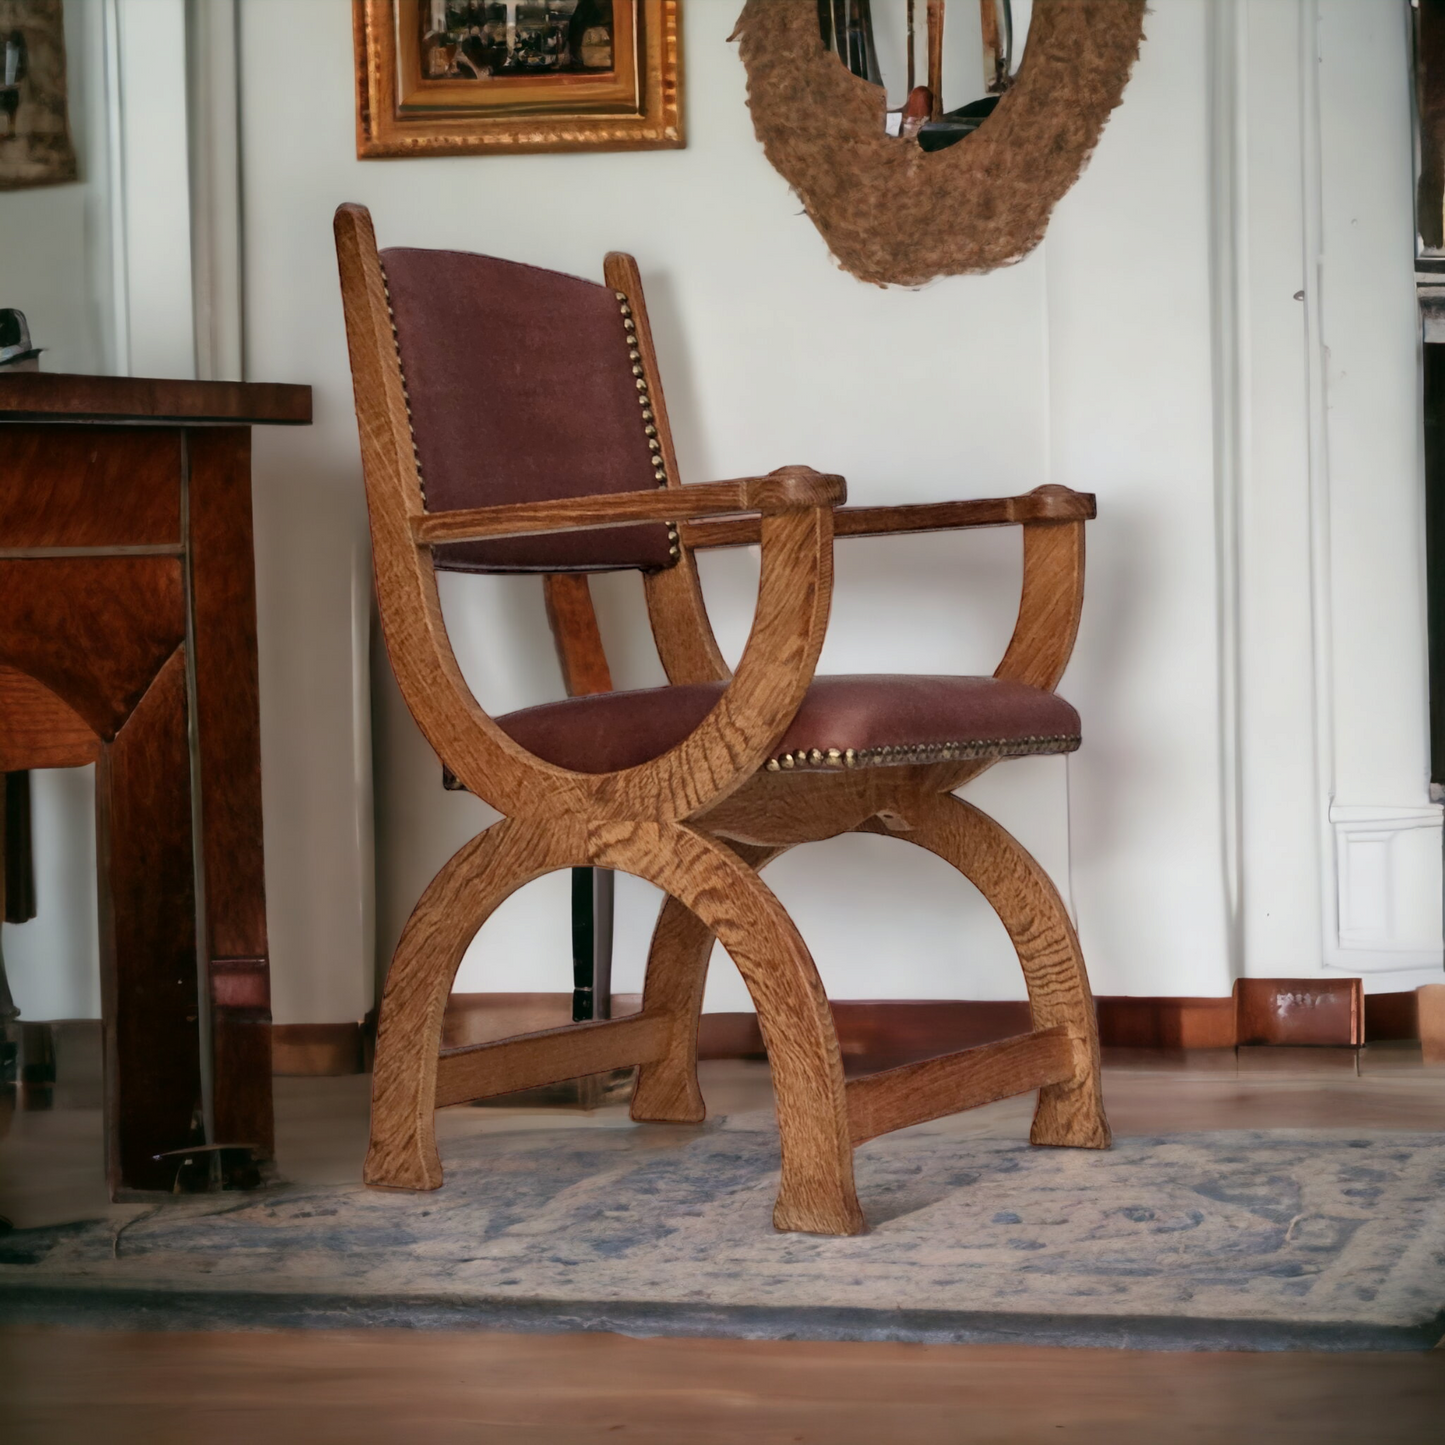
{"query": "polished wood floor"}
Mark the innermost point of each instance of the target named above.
(445, 1389)
(436, 1388)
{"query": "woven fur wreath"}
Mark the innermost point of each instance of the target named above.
(893, 213)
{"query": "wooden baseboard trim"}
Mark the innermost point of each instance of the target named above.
(317, 1050)
(1430, 1021)
(879, 1034)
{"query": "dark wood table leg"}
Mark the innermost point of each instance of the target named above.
(227, 692)
(148, 939)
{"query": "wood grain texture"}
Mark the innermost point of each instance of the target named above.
(1300, 1011)
(873, 1034)
(779, 809)
(667, 1090)
(1167, 1023)
(228, 722)
(488, 1387)
(316, 1050)
(878, 1034)
(933, 1088)
(700, 819)
(1045, 504)
(40, 729)
(478, 879)
(481, 756)
(148, 938)
(227, 691)
(93, 631)
(675, 608)
(575, 633)
(1050, 605)
(1029, 907)
(730, 744)
(1430, 1003)
(89, 487)
(150, 401)
(789, 489)
(1392, 1016)
(479, 1071)
(816, 1195)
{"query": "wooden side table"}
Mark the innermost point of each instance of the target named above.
(128, 639)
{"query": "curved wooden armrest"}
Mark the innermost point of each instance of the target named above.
(1042, 505)
(789, 489)
(750, 717)
(773, 675)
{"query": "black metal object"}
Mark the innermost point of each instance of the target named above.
(592, 890)
(17, 902)
(16, 350)
(17, 851)
(953, 125)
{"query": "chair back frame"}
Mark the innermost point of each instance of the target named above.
(754, 710)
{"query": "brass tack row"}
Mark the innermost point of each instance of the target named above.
(649, 420)
(405, 395)
(916, 753)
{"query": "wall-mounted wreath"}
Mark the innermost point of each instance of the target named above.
(893, 212)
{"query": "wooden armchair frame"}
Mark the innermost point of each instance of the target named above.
(701, 820)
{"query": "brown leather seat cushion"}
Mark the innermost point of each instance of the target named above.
(883, 719)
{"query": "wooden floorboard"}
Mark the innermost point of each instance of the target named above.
(443, 1388)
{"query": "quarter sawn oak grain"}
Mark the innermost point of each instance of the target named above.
(701, 820)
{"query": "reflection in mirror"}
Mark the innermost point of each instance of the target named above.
(927, 67)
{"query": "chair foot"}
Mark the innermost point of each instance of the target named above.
(478, 877)
(667, 1092)
(1071, 1115)
(1071, 1130)
(729, 901)
(401, 1168)
(825, 1210)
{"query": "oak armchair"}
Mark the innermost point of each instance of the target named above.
(512, 419)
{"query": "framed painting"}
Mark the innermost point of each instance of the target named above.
(35, 147)
(477, 77)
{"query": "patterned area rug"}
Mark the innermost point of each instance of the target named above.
(1252, 1240)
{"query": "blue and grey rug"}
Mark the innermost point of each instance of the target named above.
(1257, 1240)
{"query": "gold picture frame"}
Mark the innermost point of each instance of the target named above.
(481, 77)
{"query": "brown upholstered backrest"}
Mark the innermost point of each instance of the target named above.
(520, 389)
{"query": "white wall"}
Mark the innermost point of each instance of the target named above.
(1217, 337)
